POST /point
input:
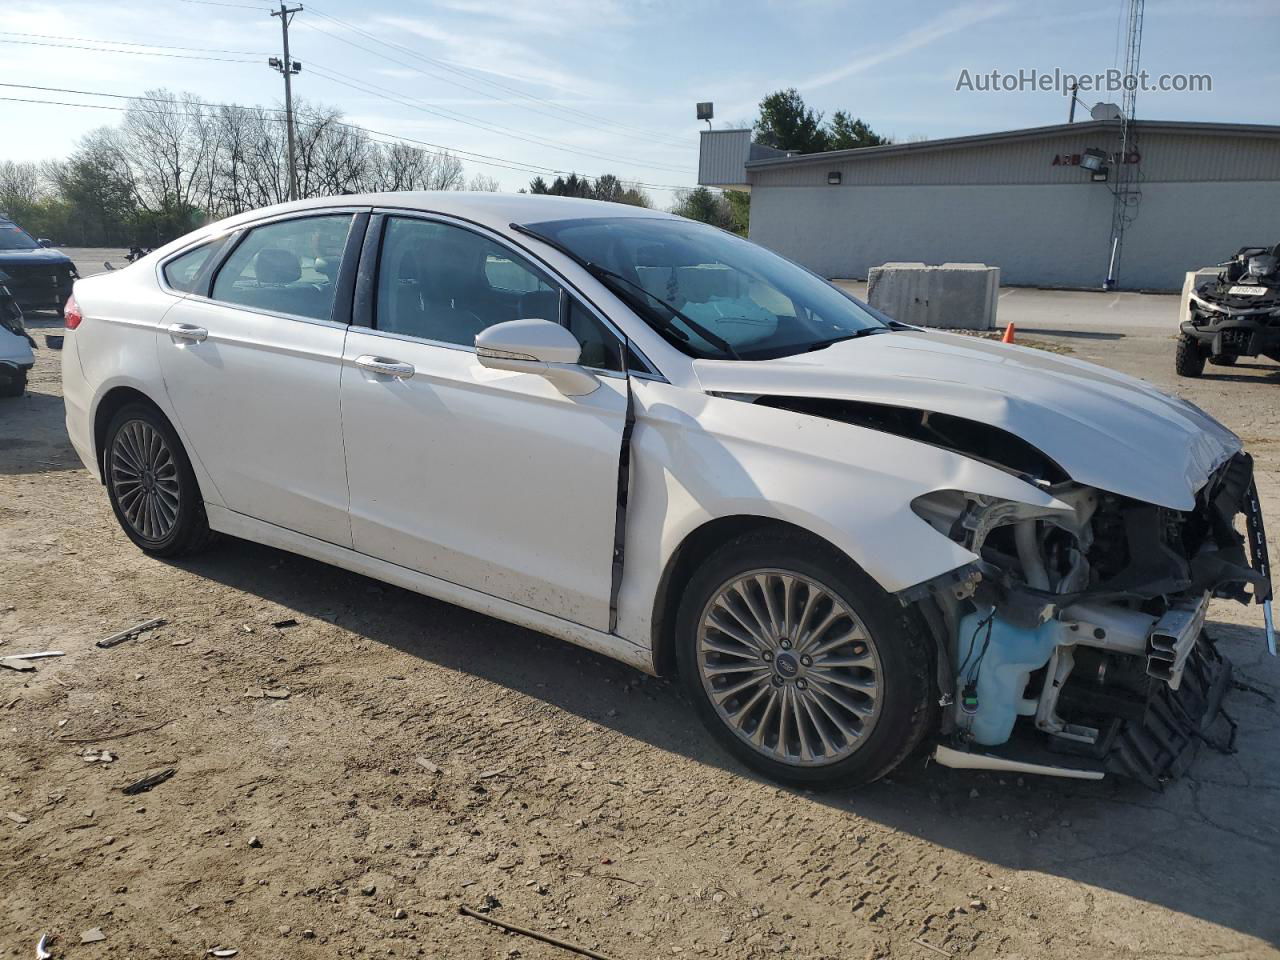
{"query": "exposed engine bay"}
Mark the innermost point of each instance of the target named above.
(1075, 644)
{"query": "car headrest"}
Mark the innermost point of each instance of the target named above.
(327, 267)
(276, 265)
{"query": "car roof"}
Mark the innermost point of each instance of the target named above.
(494, 210)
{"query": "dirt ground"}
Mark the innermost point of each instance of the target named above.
(568, 793)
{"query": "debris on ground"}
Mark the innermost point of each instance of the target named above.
(26, 657)
(255, 843)
(534, 934)
(9, 663)
(123, 635)
(925, 943)
(285, 623)
(147, 782)
(93, 935)
(428, 765)
(42, 948)
(259, 693)
(222, 951)
(96, 756)
(18, 818)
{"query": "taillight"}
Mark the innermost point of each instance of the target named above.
(71, 313)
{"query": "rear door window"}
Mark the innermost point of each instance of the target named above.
(181, 272)
(287, 267)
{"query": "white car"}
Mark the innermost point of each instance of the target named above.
(664, 443)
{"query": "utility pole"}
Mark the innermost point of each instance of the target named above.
(1128, 189)
(288, 67)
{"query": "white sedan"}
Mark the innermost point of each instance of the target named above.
(657, 440)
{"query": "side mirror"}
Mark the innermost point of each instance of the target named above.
(539, 347)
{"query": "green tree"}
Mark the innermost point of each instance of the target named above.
(846, 133)
(787, 124)
(740, 207)
(705, 206)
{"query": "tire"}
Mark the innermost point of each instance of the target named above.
(151, 485)
(888, 646)
(1188, 359)
(1225, 360)
(14, 385)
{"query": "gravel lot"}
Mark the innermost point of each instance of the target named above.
(562, 791)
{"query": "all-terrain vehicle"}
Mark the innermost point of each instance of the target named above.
(1235, 315)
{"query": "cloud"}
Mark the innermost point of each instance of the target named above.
(952, 22)
(487, 52)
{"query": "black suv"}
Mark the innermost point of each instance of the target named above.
(39, 278)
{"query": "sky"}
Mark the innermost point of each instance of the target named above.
(609, 86)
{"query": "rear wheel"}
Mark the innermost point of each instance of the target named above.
(13, 385)
(151, 485)
(800, 664)
(1188, 359)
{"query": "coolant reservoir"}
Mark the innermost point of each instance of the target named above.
(999, 674)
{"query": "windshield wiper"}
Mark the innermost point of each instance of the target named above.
(609, 278)
(864, 332)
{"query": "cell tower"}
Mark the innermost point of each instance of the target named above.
(1128, 189)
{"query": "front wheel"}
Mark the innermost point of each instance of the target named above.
(1188, 359)
(800, 665)
(151, 485)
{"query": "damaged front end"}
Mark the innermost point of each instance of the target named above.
(1075, 645)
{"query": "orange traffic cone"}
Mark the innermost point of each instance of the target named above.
(1009, 331)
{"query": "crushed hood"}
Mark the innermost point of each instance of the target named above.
(1105, 429)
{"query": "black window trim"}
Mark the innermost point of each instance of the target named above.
(370, 260)
(340, 314)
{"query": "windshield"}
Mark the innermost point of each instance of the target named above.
(711, 294)
(13, 238)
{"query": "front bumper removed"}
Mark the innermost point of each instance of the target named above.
(1152, 746)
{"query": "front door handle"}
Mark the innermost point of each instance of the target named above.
(385, 367)
(188, 332)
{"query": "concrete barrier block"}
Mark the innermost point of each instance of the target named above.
(953, 296)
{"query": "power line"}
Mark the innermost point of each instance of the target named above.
(483, 159)
(452, 68)
(139, 53)
(642, 135)
(373, 89)
(376, 90)
(129, 43)
(216, 3)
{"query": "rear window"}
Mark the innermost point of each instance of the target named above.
(13, 237)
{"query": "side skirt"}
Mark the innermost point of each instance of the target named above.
(247, 528)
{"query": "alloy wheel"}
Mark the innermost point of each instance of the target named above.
(144, 477)
(789, 667)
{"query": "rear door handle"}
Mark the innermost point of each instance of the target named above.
(188, 332)
(385, 367)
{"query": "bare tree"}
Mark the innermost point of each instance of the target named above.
(484, 184)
